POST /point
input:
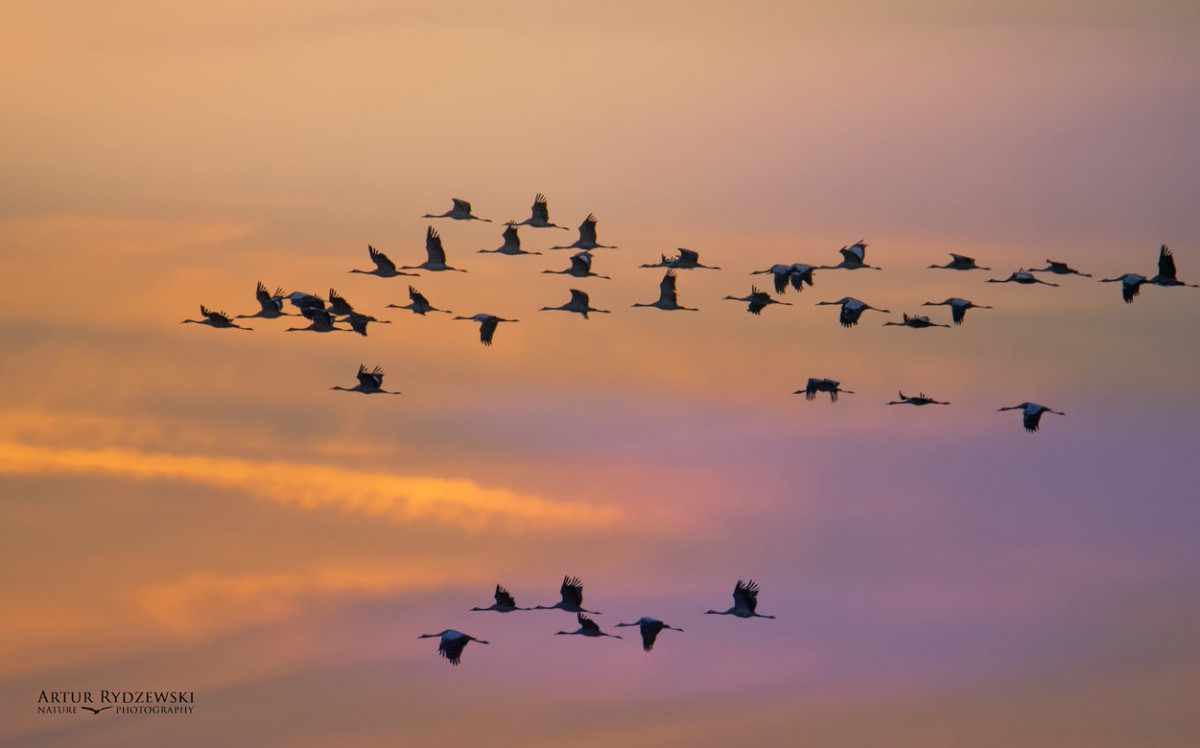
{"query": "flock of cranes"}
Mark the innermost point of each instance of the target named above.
(452, 641)
(325, 315)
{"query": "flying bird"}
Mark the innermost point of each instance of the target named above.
(581, 267)
(302, 300)
(1058, 268)
(271, 304)
(757, 300)
(338, 305)
(320, 321)
(797, 274)
(369, 382)
(587, 627)
(435, 253)
(668, 297)
(815, 385)
(579, 303)
(539, 217)
(1031, 414)
(587, 236)
(419, 304)
(487, 325)
(687, 259)
(461, 211)
(921, 399)
(853, 258)
(958, 307)
(219, 320)
(915, 322)
(745, 602)
(1166, 270)
(852, 309)
(358, 322)
(512, 243)
(571, 593)
(384, 267)
(452, 643)
(1024, 277)
(960, 262)
(504, 602)
(1131, 285)
(650, 629)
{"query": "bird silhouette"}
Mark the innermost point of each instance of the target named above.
(1166, 270)
(960, 262)
(1058, 268)
(579, 303)
(369, 382)
(487, 325)
(219, 320)
(539, 217)
(650, 629)
(587, 236)
(461, 211)
(797, 274)
(1031, 414)
(1131, 285)
(338, 306)
(581, 267)
(358, 322)
(504, 602)
(757, 300)
(1024, 277)
(452, 643)
(94, 710)
(816, 385)
(320, 321)
(687, 259)
(271, 304)
(921, 399)
(512, 243)
(668, 297)
(853, 258)
(587, 627)
(436, 255)
(958, 307)
(852, 309)
(418, 304)
(571, 593)
(302, 300)
(915, 322)
(384, 267)
(745, 602)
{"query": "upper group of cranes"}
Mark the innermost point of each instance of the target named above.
(325, 315)
(452, 642)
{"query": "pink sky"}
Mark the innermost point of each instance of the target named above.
(193, 508)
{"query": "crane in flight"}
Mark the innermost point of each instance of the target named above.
(960, 262)
(687, 259)
(757, 300)
(853, 258)
(587, 627)
(487, 325)
(504, 602)
(1024, 277)
(571, 594)
(816, 385)
(921, 399)
(1031, 414)
(460, 211)
(1131, 285)
(418, 304)
(452, 643)
(512, 243)
(384, 267)
(271, 304)
(650, 628)
(369, 382)
(1058, 268)
(579, 303)
(797, 274)
(668, 297)
(587, 236)
(852, 309)
(435, 254)
(1166, 270)
(958, 307)
(917, 323)
(219, 320)
(745, 602)
(581, 267)
(539, 217)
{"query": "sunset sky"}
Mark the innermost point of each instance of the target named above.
(190, 508)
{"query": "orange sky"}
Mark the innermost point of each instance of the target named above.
(193, 508)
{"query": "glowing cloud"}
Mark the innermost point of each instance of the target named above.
(458, 502)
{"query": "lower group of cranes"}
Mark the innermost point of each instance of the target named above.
(325, 315)
(452, 641)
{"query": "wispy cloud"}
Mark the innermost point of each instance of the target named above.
(400, 498)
